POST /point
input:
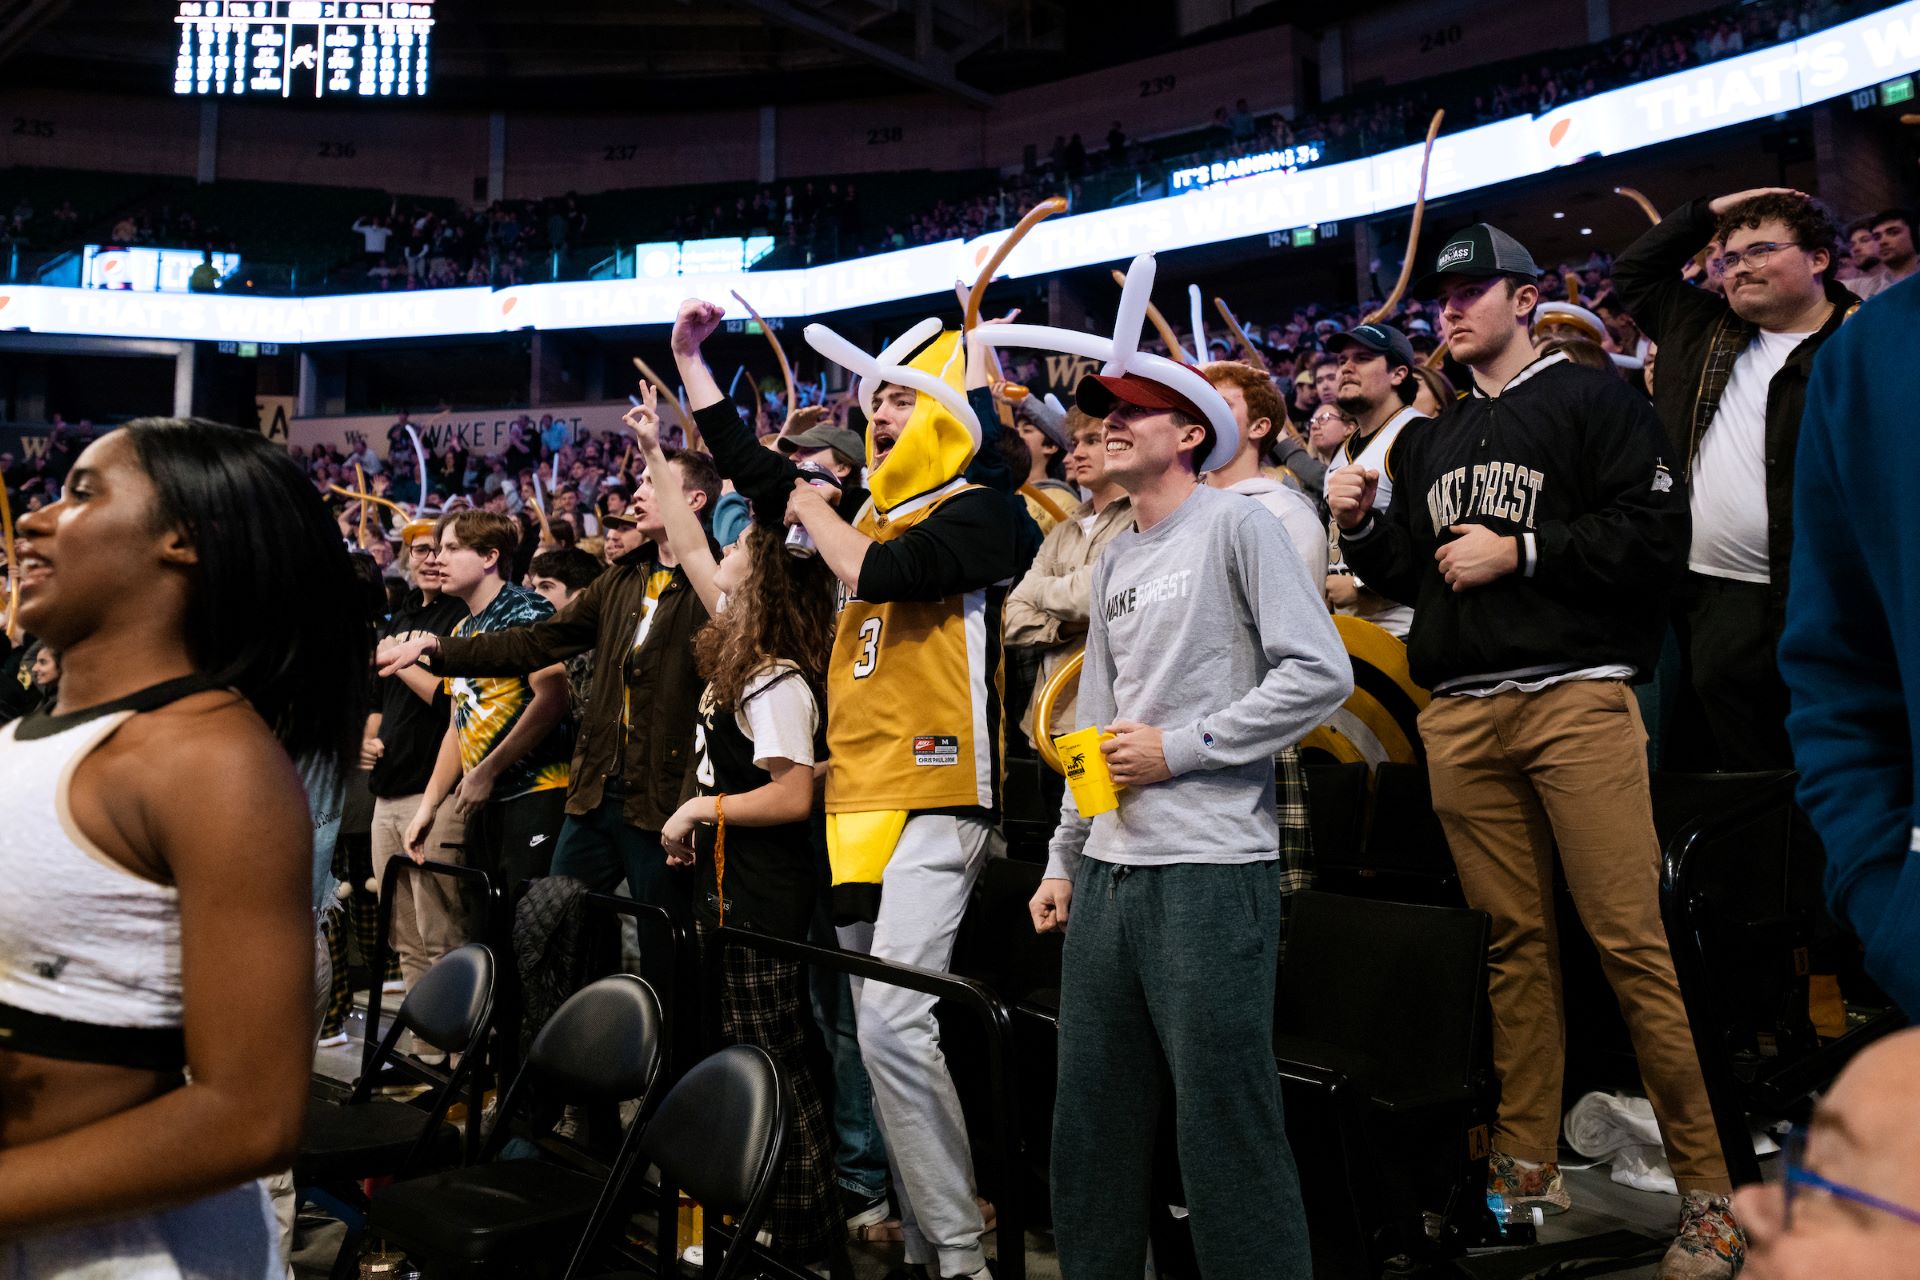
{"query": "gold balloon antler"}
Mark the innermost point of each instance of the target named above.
(779, 352)
(1572, 281)
(1438, 356)
(1034, 217)
(1385, 309)
(394, 507)
(1255, 356)
(13, 567)
(360, 483)
(1646, 205)
(1006, 394)
(1176, 350)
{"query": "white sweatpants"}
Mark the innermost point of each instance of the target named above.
(923, 894)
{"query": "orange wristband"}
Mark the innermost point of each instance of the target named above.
(720, 853)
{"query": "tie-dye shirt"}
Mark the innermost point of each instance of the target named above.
(485, 708)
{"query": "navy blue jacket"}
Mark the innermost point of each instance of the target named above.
(1851, 649)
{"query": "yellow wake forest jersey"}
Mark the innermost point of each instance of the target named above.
(914, 689)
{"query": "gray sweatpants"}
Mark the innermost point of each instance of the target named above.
(923, 894)
(1166, 995)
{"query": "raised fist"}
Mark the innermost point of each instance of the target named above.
(697, 319)
(1350, 495)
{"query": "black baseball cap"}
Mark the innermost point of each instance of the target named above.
(1381, 339)
(1482, 250)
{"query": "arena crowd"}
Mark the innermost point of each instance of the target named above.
(760, 665)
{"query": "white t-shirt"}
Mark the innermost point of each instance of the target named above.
(1729, 483)
(373, 235)
(780, 720)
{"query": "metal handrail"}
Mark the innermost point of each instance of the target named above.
(995, 1020)
(669, 989)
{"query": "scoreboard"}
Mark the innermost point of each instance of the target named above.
(303, 48)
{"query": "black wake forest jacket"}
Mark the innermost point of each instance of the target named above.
(1568, 461)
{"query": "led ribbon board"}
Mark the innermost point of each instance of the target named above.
(1826, 64)
(303, 48)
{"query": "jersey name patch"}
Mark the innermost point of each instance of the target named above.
(930, 749)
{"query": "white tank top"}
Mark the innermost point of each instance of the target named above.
(81, 937)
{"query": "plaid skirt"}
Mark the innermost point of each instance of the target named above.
(1296, 830)
(761, 1003)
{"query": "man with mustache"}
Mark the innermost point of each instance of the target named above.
(1733, 383)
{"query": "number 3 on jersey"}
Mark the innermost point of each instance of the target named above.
(869, 649)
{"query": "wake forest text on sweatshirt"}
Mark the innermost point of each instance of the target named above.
(1207, 627)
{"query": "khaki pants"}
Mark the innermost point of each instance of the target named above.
(429, 919)
(1514, 775)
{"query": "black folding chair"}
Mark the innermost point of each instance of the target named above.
(482, 900)
(1738, 937)
(451, 1008)
(1383, 1045)
(718, 1135)
(601, 1047)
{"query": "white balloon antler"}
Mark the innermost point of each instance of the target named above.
(1120, 354)
(890, 366)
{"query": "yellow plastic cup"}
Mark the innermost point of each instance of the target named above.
(1094, 790)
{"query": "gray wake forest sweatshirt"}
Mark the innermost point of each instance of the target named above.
(1206, 627)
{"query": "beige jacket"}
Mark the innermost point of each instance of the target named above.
(1049, 609)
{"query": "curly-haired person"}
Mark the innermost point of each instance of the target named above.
(1733, 382)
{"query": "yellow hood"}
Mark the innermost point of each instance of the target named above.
(941, 435)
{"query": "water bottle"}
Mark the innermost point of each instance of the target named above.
(1514, 1221)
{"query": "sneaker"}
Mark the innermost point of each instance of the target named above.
(1540, 1188)
(1710, 1245)
(861, 1212)
(332, 1041)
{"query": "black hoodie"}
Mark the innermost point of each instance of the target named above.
(1569, 462)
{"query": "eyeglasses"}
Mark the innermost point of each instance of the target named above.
(420, 551)
(1800, 1179)
(1754, 255)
